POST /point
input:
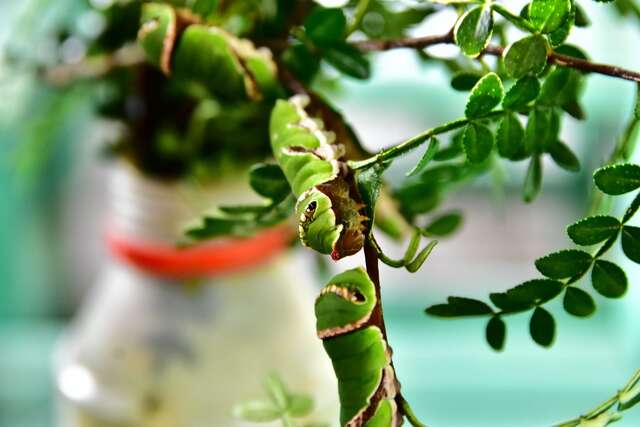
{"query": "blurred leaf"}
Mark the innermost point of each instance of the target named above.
(631, 242)
(510, 137)
(549, 15)
(299, 59)
(522, 92)
(533, 180)
(496, 333)
(444, 225)
(326, 26)
(608, 279)
(269, 181)
(537, 132)
(526, 56)
(560, 87)
(526, 295)
(428, 155)
(473, 30)
(485, 96)
(618, 179)
(594, 229)
(564, 264)
(257, 411)
(300, 405)
(216, 227)
(578, 302)
(348, 60)
(564, 157)
(477, 142)
(465, 80)
(454, 149)
(542, 327)
(276, 391)
(460, 307)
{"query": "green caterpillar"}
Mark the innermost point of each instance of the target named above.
(360, 355)
(330, 219)
(231, 68)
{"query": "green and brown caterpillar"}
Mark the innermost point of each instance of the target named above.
(232, 68)
(331, 220)
(359, 353)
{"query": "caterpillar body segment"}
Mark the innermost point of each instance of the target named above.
(359, 353)
(330, 219)
(228, 66)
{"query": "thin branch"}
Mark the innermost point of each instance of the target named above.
(416, 141)
(553, 57)
(359, 13)
(602, 412)
(95, 66)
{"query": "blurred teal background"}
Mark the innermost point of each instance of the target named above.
(50, 219)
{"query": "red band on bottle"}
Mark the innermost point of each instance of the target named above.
(209, 259)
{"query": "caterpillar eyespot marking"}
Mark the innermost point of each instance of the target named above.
(331, 219)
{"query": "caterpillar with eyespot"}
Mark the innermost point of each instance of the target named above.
(230, 67)
(331, 219)
(361, 358)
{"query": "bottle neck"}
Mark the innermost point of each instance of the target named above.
(148, 219)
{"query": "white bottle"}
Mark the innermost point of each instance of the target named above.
(146, 350)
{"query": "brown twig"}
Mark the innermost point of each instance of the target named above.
(95, 67)
(553, 57)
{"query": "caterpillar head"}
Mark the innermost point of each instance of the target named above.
(345, 304)
(318, 228)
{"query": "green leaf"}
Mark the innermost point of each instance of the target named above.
(465, 80)
(533, 180)
(453, 150)
(578, 302)
(473, 30)
(560, 87)
(510, 137)
(348, 60)
(428, 155)
(257, 411)
(444, 225)
(593, 229)
(496, 333)
(564, 264)
(522, 92)
(629, 397)
(609, 279)
(460, 307)
(526, 295)
(216, 227)
(300, 405)
(537, 132)
(564, 157)
(477, 142)
(301, 61)
(526, 56)
(542, 327)
(560, 35)
(632, 209)
(607, 245)
(276, 391)
(245, 209)
(631, 242)
(549, 15)
(485, 96)
(269, 181)
(618, 179)
(326, 26)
